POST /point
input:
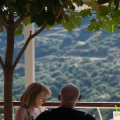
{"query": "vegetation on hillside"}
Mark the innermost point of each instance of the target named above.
(89, 60)
(14, 14)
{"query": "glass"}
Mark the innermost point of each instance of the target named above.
(116, 116)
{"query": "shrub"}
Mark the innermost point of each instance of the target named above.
(61, 78)
(110, 57)
(99, 63)
(116, 71)
(85, 60)
(55, 73)
(70, 68)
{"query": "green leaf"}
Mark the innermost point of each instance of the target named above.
(28, 7)
(13, 5)
(58, 20)
(69, 26)
(27, 21)
(91, 3)
(94, 26)
(93, 20)
(48, 27)
(2, 2)
(78, 2)
(85, 13)
(78, 22)
(65, 16)
(76, 19)
(37, 6)
(103, 25)
(40, 22)
(72, 7)
(102, 1)
(110, 28)
(50, 17)
(21, 9)
(23, 2)
(81, 2)
(35, 17)
(19, 29)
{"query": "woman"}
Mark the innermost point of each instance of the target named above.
(32, 98)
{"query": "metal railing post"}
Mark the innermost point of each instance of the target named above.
(13, 112)
(99, 114)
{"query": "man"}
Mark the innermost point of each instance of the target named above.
(69, 95)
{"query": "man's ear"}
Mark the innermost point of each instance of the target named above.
(59, 97)
(79, 97)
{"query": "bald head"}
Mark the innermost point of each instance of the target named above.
(69, 93)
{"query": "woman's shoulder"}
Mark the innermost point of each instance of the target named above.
(21, 109)
(21, 113)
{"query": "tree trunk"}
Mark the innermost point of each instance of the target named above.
(8, 81)
(8, 71)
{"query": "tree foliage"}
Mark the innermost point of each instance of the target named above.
(48, 11)
(14, 14)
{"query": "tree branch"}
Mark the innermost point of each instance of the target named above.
(30, 37)
(59, 13)
(26, 44)
(2, 64)
(110, 2)
(19, 20)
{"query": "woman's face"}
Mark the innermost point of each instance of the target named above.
(40, 99)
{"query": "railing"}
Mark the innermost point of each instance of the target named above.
(97, 105)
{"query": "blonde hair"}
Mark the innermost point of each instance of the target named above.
(29, 96)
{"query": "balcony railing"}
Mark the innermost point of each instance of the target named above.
(97, 105)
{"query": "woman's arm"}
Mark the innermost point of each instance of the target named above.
(21, 114)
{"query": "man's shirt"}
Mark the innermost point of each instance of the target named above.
(62, 113)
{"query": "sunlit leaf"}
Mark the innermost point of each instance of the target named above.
(48, 27)
(27, 21)
(78, 2)
(19, 30)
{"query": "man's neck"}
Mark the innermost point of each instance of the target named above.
(67, 105)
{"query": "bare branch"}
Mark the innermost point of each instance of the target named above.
(2, 64)
(39, 31)
(19, 20)
(59, 13)
(92, 13)
(71, 12)
(26, 44)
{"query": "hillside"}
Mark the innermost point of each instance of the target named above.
(89, 60)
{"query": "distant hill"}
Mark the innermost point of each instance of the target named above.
(89, 60)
